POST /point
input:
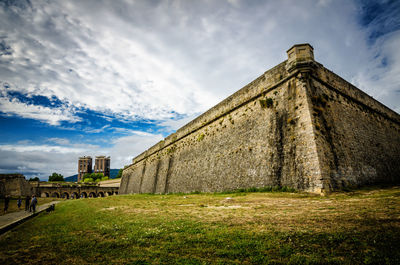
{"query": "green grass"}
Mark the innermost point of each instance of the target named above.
(357, 227)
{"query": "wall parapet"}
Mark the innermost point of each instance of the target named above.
(335, 82)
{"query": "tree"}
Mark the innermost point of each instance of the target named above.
(87, 175)
(34, 179)
(98, 176)
(92, 177)
(88, 180)
(119, 173)
(56, 177)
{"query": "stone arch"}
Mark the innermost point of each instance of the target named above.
(45, 195)
(84, 194)
(75, 195)
(55, 195)
(100, 194)
(116, 192)
(65, 195)
(92, 195)
(109, 193)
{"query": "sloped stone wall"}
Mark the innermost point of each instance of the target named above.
(260, 136)
(358, 137)
(297, 125)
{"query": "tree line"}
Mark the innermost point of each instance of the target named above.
(87, 178)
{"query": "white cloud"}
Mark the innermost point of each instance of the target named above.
(173, 125)
(382, 82)
(52, 116)
(98, 130)
(60, 141)
(41, 160)
(145, 60)
(25, 142)
(127, 147)
(148, 60)
(41, 148)
(95, 63)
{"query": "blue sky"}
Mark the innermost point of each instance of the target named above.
(114, 77)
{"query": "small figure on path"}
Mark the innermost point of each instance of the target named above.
(27, 199)
(6, 202)
(19, 203)
(33, 204)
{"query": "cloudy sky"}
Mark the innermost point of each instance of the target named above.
(114, 77)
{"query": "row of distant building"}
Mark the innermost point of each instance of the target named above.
(101, 165)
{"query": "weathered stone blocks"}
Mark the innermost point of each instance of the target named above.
(297, 125)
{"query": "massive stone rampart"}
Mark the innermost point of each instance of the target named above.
(358, 138)
(286, 128)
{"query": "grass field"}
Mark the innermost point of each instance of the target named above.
(359, 227)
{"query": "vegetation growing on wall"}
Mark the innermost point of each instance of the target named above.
(200, 137)
(266, 103)
(291, 121)
(320, 100)
(231, 119)
(170, 150)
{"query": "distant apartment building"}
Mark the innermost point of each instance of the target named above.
(102, 165)
(84, 166)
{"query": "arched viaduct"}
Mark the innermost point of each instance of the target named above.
(73, 191)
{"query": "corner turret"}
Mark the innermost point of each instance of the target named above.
(300, 56)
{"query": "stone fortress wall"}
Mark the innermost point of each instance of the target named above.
(14, 185)
(358, 137)
(297, 125)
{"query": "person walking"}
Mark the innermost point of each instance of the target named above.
(33, 204)
(6, 203)
(27, 200)
(19, 202)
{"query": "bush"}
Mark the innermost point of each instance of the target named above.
(87, 180)
(56, 177)
(119, 173)
(93, 176)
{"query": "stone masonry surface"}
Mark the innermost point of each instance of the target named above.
(14, 185)
(297, 125)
